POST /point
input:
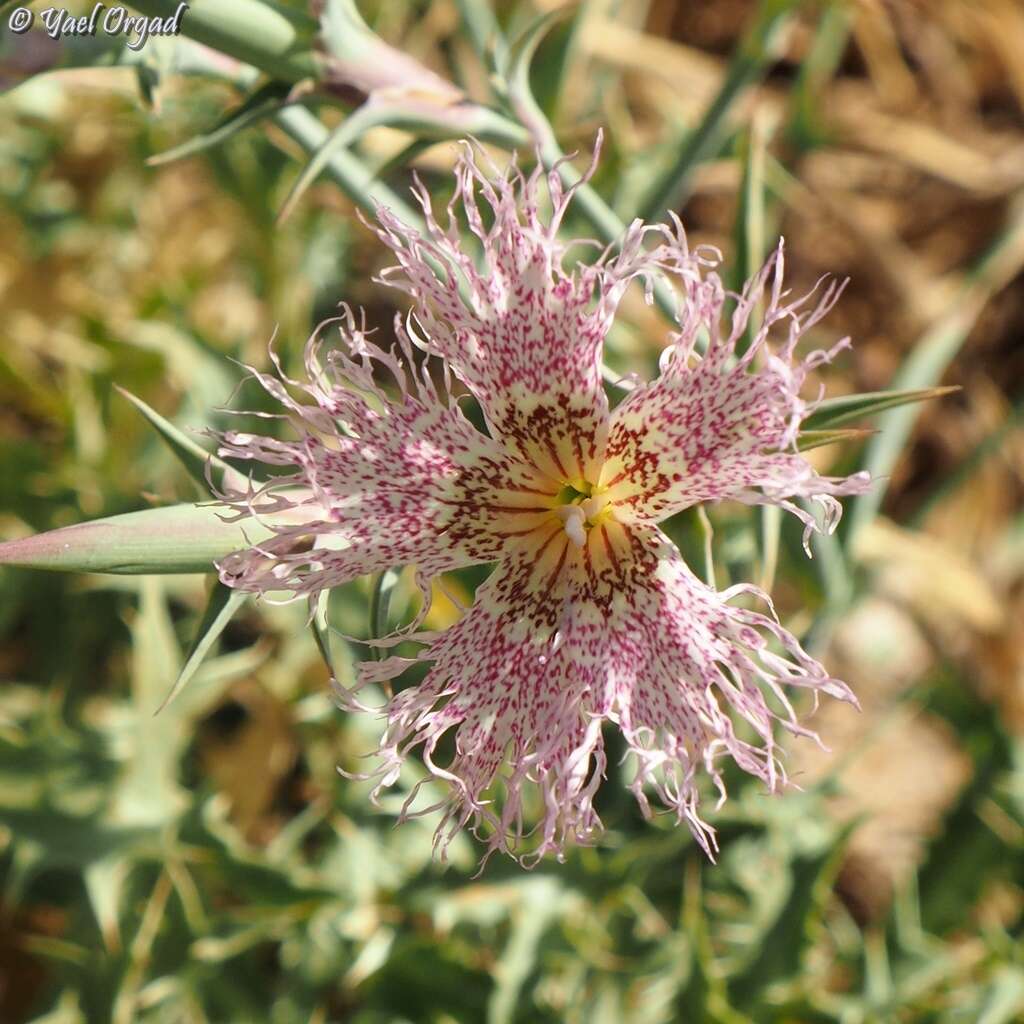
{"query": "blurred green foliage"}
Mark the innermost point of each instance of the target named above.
(209, 863)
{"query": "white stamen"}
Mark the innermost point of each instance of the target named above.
(593, 505)
(573, 518)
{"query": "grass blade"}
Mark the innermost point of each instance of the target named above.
(844, 408)
(380, 606)
(221, 607)
(930, 359)
(810, 439)
(755, 54)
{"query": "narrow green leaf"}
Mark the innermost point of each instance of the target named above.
(759, 48)
(380, 606)
(751, 245)
(220, 610)
(771, 535)
(481, 26)
(174, 539)
(844, 408)
(366, 117)
(516, 75)
(751, 230)
(192, 456)
(421, 120)
(809, 439)
(338, 662)
(260, 104)
(322, 630)
(347, 171)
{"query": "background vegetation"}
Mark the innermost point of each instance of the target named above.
(209, 864)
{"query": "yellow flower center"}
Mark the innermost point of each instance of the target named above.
(580, 507)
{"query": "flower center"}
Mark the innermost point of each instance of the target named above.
(578, 507)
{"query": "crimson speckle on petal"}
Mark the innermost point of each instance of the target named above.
(590, 618)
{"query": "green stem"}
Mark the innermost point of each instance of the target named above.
(277, 40)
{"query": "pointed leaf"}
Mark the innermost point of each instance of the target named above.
(175, 539)
(515, 71)
(220, 610)
(514, 79)
(421, 119)
(344, 167)
(192, 456)
(833, 411)
(261, 103)
(809, 439)
(349, 131)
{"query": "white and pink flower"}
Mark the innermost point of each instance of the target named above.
(590, 617)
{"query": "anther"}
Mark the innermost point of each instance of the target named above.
(573, 518)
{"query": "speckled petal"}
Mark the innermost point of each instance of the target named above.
(687, 668)
(563, 640)
(514, 692)
(522, 332)
(724, 426)
(381, 478)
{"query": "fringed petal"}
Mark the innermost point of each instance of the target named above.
(512, 688)
(687, 669)
(380, 478)
(725, 426)
(519, 330)
(590, 619)
(562, 640)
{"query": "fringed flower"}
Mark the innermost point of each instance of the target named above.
(590, 617)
